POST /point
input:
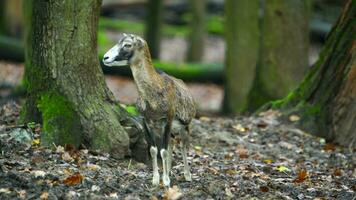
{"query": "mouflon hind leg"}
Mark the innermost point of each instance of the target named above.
(155, 179)
(185, 144)
(165, 176)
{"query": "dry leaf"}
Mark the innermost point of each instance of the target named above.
(38, 173)
(329, 147)
(230, 172)
(172, 194)
(205, 119)
(5, 190)
(21, 194)
(294, 118)
(243, 153)
(66, 157)
(268, 161)
(74, 179)
(264, 189)
(44, 196)
(60, 149)
(337, 172)
(228, 192)
(239, 128)
(302, 175)
(36, 142)
(93, 167)
(282, 168)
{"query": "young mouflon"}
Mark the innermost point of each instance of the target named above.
(164, 101)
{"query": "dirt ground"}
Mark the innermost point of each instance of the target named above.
(241, 158)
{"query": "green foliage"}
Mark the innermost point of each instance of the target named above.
(131, 109)
(215, 25)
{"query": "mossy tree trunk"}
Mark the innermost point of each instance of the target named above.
(326, 99)
(197, 27)
(154, 22)
(284, 50)
(65, 84)
(242, 39)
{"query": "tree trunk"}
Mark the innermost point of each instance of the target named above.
(197, 29)
(284, 50)
(65, 84)
(326, 99)
(242, 39)
(154, 26)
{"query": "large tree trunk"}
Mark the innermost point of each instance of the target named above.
(154, 26)
(326, 99)
(65, 84)
(197, 30)
(284, 50)
(242, 39)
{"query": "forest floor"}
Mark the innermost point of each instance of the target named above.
(257, 157)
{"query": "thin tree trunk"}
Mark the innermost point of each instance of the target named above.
(326, 99)
(154, 26)
(242, 36)
(65, 84)
(197, 30)
(284, 50)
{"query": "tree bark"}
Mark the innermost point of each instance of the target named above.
(154, 26)
(65, 84)
(197, 30)
(326, 99)
(283, 58)
(242, 39)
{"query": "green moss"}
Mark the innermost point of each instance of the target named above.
(60, 124)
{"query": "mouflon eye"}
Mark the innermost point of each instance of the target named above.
(127, 45)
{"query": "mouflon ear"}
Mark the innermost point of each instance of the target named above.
(124, 34)
(140, 42)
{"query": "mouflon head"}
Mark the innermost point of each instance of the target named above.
(125, 51)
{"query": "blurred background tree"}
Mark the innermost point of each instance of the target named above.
(197, 30)
(242, 36)
(154, 22)
(283, 58)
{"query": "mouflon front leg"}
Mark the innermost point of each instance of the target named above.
(170, 154)
(165, 176)
(155, 179)
(185, 145)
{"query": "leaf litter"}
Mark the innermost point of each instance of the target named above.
(257, 157)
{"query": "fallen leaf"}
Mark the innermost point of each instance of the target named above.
(44, 196)
(93, 167)
(243, 153)
(60, 149)
(5, 190)
(264, 188)
(239, 128)
(74, 179)
(38, 173)
(329, 147)
(268, 161)
(337, 172)
(230, 172)
(302, 175)
(95, 188)
(172, 194)
(294, 118)
(21, 194)
(66, 157)
(205, 119)
(228, 192)
(36, 142)
(282, 168)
